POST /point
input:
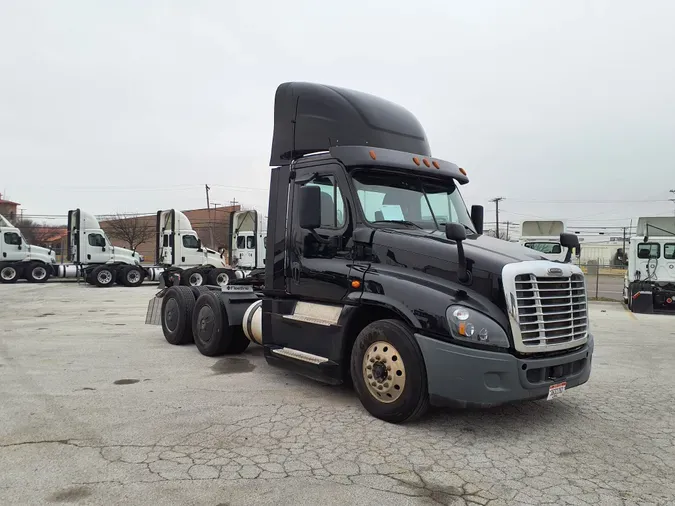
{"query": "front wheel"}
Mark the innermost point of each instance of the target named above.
(388, 372)
(132, 276)
(37, 273)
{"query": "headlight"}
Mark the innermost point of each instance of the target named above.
(473, 326)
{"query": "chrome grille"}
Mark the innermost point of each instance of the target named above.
(551, 310)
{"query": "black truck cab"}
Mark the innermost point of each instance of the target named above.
(366, 226)
(377, 274)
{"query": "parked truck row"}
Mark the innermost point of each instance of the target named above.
(92, 256)
(377, 274)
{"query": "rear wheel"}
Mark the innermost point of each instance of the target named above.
(9, 273)
(132, 276)
(220, 277)
(177, 306)
(193, 277)
(388, 372)
(38, 272)
(103, 276)
(210, 326)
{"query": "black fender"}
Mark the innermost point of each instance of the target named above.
(236, 305)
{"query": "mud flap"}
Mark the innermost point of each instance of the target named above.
(154, 313)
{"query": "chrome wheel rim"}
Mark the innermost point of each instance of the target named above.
(39, 273)
(8, 273)
(196, 279)
(384, 372)
(104, 277)
(133, 276)
(222, 279)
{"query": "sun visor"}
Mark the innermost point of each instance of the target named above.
(312, 117)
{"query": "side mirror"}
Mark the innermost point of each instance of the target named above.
(477, 213)
(569, 241)
(457, 233)
(577, 251)
(199, 244)
(19, 246)
(310, 207)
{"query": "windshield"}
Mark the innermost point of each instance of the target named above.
(550, 248)
(410, 200)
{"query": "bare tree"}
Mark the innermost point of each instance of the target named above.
(133, 229)
(502, 234)
(37, 234)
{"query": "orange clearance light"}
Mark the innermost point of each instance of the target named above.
(372, 155)
(356, 284)
(426, 162)
(416, 160)
(435, 164)
(462, 171)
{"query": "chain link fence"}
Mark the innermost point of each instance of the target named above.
(603, 281)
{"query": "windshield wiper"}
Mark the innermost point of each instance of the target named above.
(402, 222)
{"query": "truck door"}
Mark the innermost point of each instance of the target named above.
(319, 271)
(99, 250)
(191, 252)
(167, 249)
(668, 272)
(13, 248)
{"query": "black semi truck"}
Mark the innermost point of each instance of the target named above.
(377, 274)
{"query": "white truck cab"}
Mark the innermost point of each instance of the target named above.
(248, 233)
(89, 243)
(649, 283)
(543, 236)
(18, 259)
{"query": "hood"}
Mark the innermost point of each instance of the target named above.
(40, 253)
(483, 253)
(120, 253)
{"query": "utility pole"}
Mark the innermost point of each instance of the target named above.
(623, 250)
(233, 202)
(497, 200)
(507, 230)
(208, 211)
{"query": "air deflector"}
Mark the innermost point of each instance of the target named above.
(312, 117)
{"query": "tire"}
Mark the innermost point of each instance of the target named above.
(220, 277)
(9, 273)
(177, 306)
(38, 272)
(103, 276)
(239, 342)
(198, 290)
(386, 350)
(193, 277)
(132, 275)
(209, 325)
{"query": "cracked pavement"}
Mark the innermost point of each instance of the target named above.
(96, 408)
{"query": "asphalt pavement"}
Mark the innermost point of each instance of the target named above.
(96, 408)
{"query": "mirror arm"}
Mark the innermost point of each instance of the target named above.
(462, 272)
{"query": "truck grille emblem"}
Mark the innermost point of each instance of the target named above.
(555, 271)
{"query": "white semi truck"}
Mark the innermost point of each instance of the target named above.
(543, 236)
(20, 260)
(649, 283)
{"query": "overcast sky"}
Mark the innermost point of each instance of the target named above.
(132, 106)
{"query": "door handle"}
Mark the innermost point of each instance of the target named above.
(295, 273)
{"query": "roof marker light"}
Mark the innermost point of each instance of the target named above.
(416, 160)
(426, 162)
(435, 164)
(372, 155)
(462, 171)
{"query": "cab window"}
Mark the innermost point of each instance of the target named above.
(241, 242)
(332, 204)
(96, 240)
(12, 238)
(649, 250)
(669, 251)
(250, 242)
(190, 241)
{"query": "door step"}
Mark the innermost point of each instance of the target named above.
(300, 355)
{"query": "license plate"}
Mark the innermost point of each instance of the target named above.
(555, 391)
